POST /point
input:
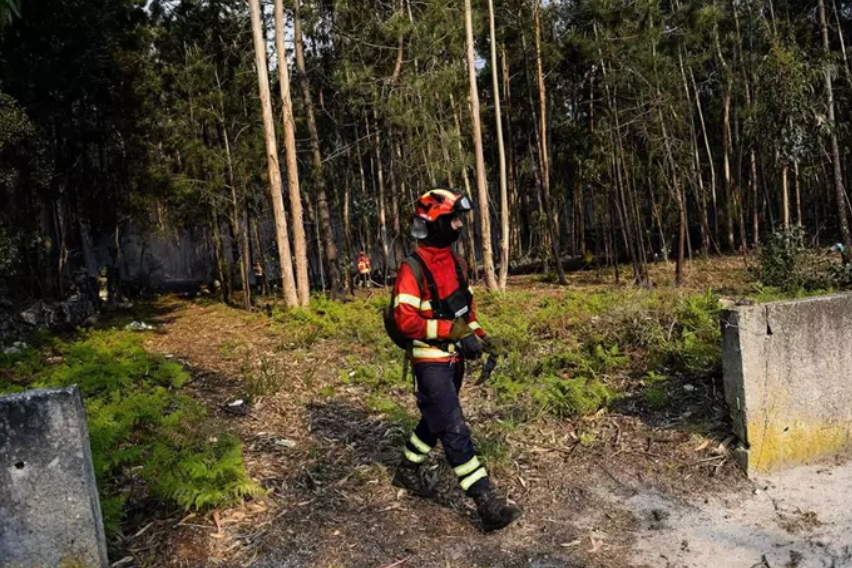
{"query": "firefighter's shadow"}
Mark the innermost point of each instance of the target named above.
(350, 443)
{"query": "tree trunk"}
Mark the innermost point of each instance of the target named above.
(347, 222)
(300, 246)
(288, 281)
(470, 247)
(501, 150)
(512, 169)
(785, 197)
(221, 264)
(545, 166)
(317, 174)
(798, 193)
(398, 252)
(239, 236)
(383, 231)
(481, 180)
(840, 193)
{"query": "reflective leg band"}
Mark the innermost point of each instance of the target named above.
(419, 444)
(467, 468)
(473, 478)
(414, 457)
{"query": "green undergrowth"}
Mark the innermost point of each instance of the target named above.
(570, 353)
(141, 426)
(576, 353)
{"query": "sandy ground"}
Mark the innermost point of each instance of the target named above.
(798, 518)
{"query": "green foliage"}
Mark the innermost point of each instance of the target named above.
(657, 397)
(400, 417)
(138, 423)
(575, 347)
(572, 397)
(263, 379)
(840, 275)
(781, 259)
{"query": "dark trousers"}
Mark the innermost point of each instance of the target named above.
(438, 386)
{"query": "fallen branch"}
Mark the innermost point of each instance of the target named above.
(399, 562)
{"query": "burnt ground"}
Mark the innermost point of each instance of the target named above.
(327, 459)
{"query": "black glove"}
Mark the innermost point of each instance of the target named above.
(471, 347)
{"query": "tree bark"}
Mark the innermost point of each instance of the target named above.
(840, 193)
(317, 174)
(288, 282)
(501, 150)
(300, 246)
(545, 165)
(383, 230)
(470, 246)
(481, 180)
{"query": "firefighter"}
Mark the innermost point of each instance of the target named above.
(434, 308)
(363, 265)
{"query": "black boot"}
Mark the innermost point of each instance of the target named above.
(416, 478)
(494, 511)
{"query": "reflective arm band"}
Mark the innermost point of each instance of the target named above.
(425, 306)
(432, 329)
(474, 325)
(407, 299)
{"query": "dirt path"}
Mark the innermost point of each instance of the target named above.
(634, 496)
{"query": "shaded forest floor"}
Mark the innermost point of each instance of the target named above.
(594, 487)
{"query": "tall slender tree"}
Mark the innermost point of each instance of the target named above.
(552, 227)
(317, 171)
(300, 247)
(288, 281)
(501, 151)
(481, 179)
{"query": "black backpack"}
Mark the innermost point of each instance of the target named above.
(457, 305)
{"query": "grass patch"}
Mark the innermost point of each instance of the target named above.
(140, 426)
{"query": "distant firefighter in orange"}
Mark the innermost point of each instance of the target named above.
(364, 268)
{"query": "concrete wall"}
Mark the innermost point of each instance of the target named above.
(49, 509)
(788, 380)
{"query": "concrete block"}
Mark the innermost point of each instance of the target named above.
(787, 370)
(50, 514)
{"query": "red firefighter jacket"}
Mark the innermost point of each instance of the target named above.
(413, 310)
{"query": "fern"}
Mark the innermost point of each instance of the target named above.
(139, 423)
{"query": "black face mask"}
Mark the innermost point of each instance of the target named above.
(441, 233)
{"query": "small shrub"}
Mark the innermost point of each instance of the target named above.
(263, 379)
(840, 276)
(781, 259)
(657, 397)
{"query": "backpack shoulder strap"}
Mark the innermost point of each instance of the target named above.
(415, 267)
(460, 272)
(420, 270)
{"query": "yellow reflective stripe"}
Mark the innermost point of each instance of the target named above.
(414, 457)
(425, 306)
(407, 299)
(470, 289)
(474, 326)
(466, 468)
(419, 444)
(431, 329)
(428, 353)
(473, 478)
